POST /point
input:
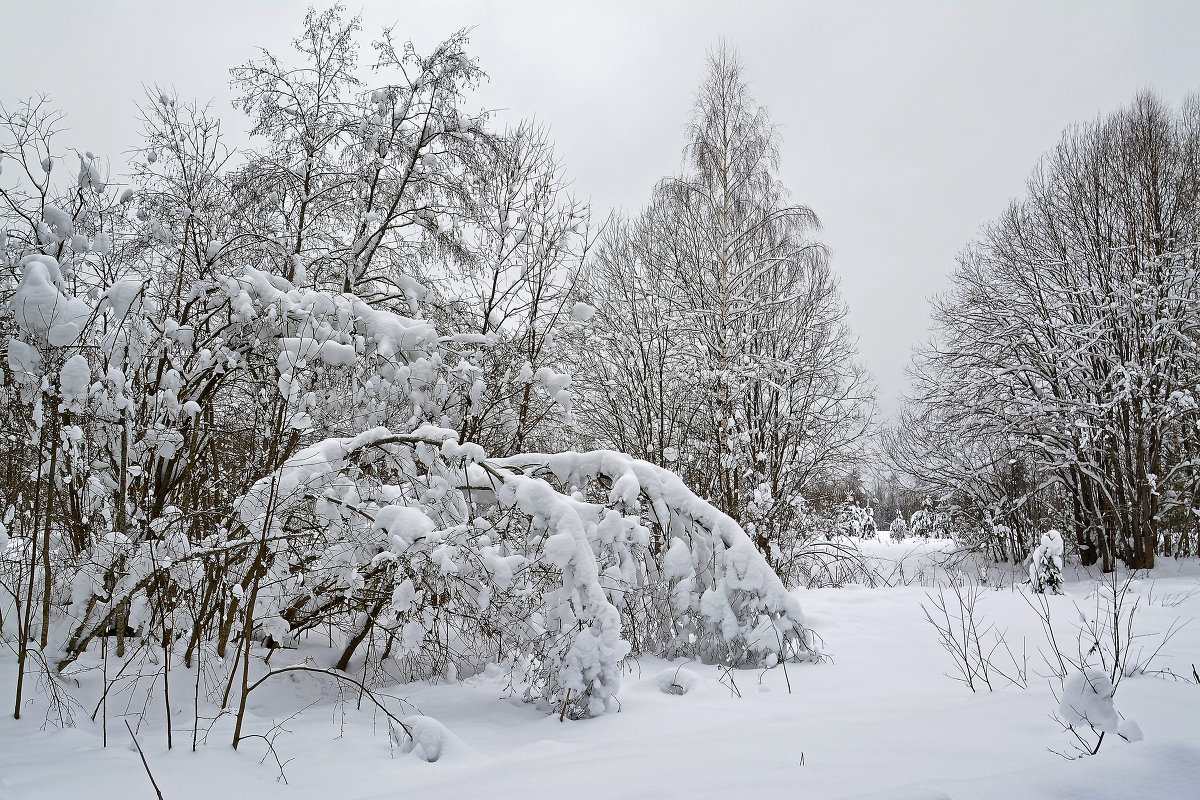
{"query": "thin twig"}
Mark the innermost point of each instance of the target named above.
(145, 764)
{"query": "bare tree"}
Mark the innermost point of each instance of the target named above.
(745, 309)
(1068, 341)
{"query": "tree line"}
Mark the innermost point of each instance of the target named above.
(1059, 387)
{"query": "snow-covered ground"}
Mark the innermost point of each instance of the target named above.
(879, 718)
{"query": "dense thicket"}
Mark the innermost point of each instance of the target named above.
(304, 387)
(1060, 385)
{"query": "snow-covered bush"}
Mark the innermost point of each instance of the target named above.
(898, 528)
(402, 535)
(1110, 645)
(244, 404)
(1045, 570)
(427, 739)
(856, 520)
(979, 650)
(1086, 710)
(923, 520)
(712, 595)
(1087, 699)
(869, 528)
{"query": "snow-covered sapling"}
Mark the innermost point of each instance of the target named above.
(1045, 571)
(1087, 705)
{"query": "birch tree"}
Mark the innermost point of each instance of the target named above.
(752, 309)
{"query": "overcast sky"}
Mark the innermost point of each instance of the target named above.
(905, 125)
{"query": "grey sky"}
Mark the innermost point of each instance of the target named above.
(904, 125)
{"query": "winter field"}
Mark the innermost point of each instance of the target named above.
(879, 717)
(350, 448)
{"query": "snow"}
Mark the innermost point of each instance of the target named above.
(24, 361)
(403, 524)
(41, 309)
(60, 222)
(393, 333)
(1045, 569)
(560, 549)
(746, 611)
(582, 312)
(336, 354)
(74, 379)
(678, 680)
(303, 472)
(678, 562)
(879, 720)
(122, 296)
(1130, 731)
(1088, 700)
(429, 740)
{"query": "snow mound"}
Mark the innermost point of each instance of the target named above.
(1130, 730)
(677, 680)
(1088, 700)
(429, 740)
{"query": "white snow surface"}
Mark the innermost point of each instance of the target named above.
(878, 719)
(1088, 700)
(74, 379)
(41, 310)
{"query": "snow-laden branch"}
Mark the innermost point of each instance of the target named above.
(742, 605)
